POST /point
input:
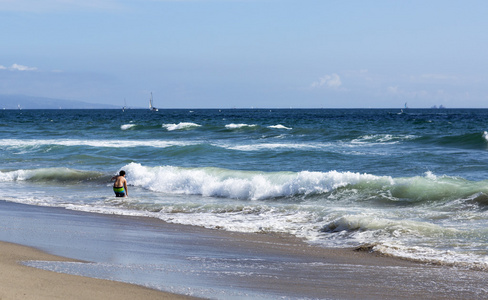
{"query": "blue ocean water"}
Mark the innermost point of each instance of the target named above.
(407, 183)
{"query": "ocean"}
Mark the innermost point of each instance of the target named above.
(410, 184)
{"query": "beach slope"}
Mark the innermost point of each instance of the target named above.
(21, 282)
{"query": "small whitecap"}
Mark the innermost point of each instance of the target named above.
(485, 136)
(180, 126)
(127, 126)
(279, 126)
(237, 126)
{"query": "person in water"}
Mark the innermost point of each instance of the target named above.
(120, 185)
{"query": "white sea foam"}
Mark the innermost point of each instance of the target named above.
(17, 175)
(382, 138)
(243, 205)
(238, 126)
(485, 135)
(364, 222)
(214, 182)
(180, 126)
(127, 126)
(251, 219)
(92, 143)
(386, 235)
(279, 126)
(277, 146)
(18, 143)
(436, 256)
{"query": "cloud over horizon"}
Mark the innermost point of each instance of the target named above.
(329, 81)
(17, 67)
(198, 54)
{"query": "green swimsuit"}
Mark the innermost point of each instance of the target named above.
(119, 191)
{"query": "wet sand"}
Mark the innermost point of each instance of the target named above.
(206, 263)
(21, 282)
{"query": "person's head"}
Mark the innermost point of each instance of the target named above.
(122, 173)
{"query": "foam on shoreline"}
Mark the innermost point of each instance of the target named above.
(223, 265)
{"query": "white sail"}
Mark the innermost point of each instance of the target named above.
(151, 107)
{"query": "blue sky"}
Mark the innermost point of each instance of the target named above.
(247, 53)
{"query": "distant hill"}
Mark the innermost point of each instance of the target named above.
(30, 102)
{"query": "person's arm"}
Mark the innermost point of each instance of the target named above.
(125, 188)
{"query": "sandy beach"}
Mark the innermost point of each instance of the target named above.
(199, 262)
(22, 282)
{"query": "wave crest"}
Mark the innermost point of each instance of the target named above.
(49, 174)
(321, 186)
(247, 185)
(239, 126)
(279, 126)
(180, 126)
(127, 126)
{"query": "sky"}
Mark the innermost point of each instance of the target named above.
(247, 53)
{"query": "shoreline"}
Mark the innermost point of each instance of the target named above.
(215, 264)
(25, 282)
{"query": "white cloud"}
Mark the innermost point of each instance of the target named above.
(3, 67)
(412, 93)
(438, 76)
(16, 67)
(329, 81)
(434, 78)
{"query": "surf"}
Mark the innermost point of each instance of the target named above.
(50, 175)
(346, 186)
(181, 126)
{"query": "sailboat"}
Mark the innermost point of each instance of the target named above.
(151, 107)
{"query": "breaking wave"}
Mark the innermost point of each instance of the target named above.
(239, 126)
(254, 185)
(49, 174)
(279, 126)
(180, 126)
(403, 217)
(257, 185)
(127, 126)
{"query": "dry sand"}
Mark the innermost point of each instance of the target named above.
(21, 282)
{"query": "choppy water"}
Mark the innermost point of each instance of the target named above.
(410, 184)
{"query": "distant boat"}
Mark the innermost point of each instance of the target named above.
(125, 106)
(151, 107)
